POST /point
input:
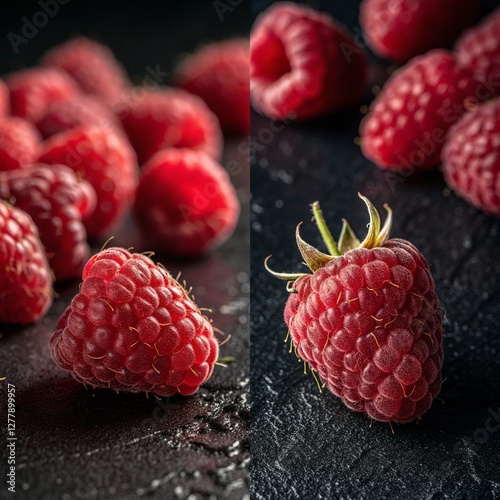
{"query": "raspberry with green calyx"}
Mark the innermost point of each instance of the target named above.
(367, 320)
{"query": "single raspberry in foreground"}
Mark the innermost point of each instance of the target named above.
(132, 327)
(367, 320)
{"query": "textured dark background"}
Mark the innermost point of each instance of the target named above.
(309, 445)
(75, 443)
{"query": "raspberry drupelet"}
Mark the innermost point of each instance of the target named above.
(367, 320)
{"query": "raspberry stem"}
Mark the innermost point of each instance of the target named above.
(328, 239)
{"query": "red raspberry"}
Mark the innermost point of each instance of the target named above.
(92, 65)
(159, 119)
(185, 203)
(57, 201)
(402, 29)
(471, 157)
(407, 124)
(84, 110)
(106, 161)
(219, 73)
(19, 143)
(4, 99)
(479, 49)
(133, 328)
(368, 322)
(303, 64)
(25, 279)
(32, 91)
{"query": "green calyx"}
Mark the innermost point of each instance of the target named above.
(314, 259)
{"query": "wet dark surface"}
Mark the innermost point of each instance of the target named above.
(309, 445)
(78, 443)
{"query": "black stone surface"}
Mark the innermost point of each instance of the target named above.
(77, 443)
(309, 445)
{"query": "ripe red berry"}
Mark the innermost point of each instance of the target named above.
(133, 328)
(471, 157)
(407, 124)
(367, 321)
(185, 203)
(303, 64)
(57, 201)
(32, 91)
(402, 29)
(25, 279)
(92, 65)
(19, 143)
(219, 73)
(160, 119)
(479, 49)
(106, 161)
(4, 99)
(83, 110)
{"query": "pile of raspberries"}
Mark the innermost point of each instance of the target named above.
(440, 107)
(80, 147)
